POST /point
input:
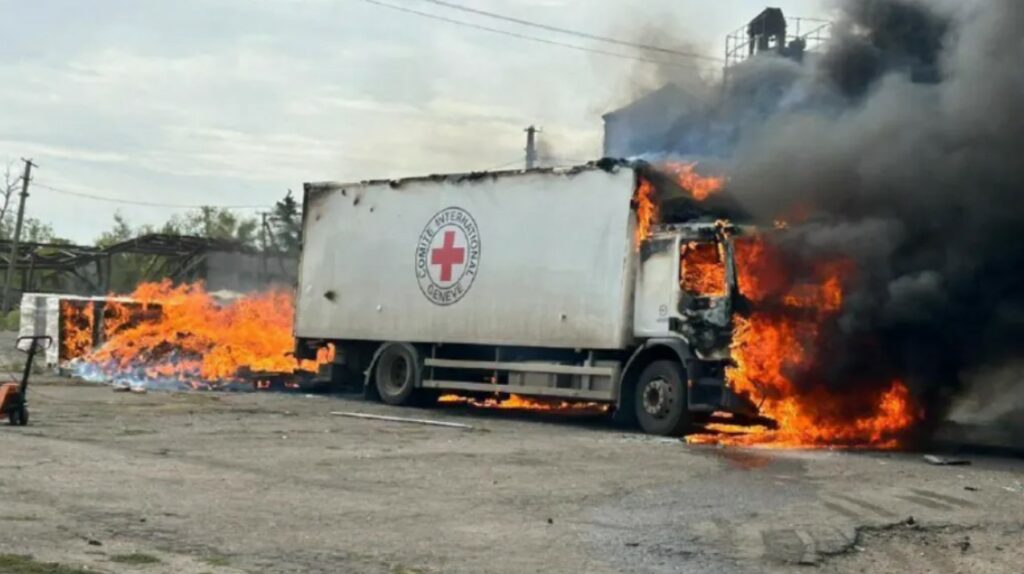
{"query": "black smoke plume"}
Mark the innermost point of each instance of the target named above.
(902, 149)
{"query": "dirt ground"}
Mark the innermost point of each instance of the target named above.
(204, 482)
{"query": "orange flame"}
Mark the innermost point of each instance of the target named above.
(685, 174)
(117, 315)
(646, 210)
(781, 338)
(702, 271)
(76, 328)
(520, 403)
(197, 340)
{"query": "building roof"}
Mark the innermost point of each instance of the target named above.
(667, 96)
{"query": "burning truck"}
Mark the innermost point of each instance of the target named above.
(636, 288)
(888, 288)
(617, 283)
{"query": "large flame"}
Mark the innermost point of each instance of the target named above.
(701, 269)
(645, 201)
(76, 327)
(699, 186)
(184, 334)
(781, 340)
(646, 210)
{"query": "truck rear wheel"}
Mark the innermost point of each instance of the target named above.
(660, 400)
(397, 374)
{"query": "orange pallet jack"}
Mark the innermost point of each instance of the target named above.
(13, 400)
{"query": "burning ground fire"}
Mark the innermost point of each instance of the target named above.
(520, 403)
(184, 337)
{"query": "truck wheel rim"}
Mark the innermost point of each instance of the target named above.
(657, 398)
(397, 370)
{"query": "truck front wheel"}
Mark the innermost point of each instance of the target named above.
(660, 400)
(397, 374)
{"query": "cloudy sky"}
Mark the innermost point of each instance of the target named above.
(232, 102)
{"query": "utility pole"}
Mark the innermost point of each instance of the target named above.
(263, 246)
(12, 261)
(531, 147)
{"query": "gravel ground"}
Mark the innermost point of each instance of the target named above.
(218, 483)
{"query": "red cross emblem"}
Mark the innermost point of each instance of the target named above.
(448, 256)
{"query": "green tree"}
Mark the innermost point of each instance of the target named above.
(286, 225)
(215, 223)
(32, 231)
(130, 269)
(8, 189)
(121, 231)
(36, 231)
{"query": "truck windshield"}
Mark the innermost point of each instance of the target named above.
(702, 271)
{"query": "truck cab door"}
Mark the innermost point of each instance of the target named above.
(657, 288)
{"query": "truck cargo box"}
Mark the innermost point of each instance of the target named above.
(541, 258)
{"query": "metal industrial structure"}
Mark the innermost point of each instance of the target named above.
(771, 32)
(682, 120)
(88, 270)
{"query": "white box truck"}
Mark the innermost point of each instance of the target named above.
(534, 283)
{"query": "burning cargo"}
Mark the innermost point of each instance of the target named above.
(78, 324)
(175, 337)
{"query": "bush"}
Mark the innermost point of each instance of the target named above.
(12, 322)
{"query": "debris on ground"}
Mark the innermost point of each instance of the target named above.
(945, 460)
(427, 422)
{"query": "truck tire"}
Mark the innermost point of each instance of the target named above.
(660, 400)
(397, 374)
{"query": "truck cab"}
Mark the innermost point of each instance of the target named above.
(685, 297)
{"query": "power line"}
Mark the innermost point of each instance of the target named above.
(528, 37)
(143, 203)
(577, 33)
